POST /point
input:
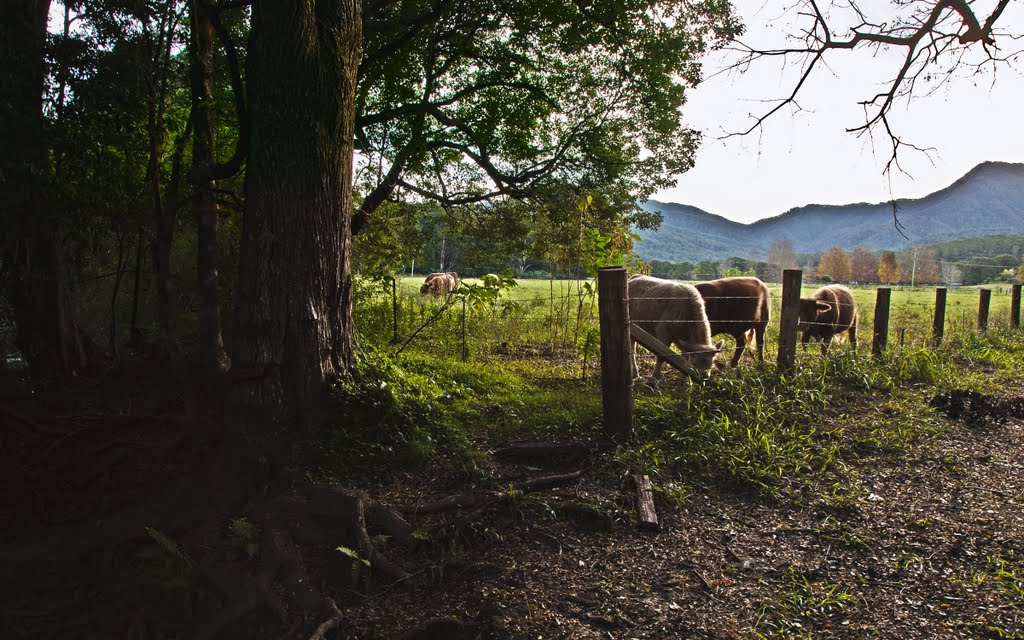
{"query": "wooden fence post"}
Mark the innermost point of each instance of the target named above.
(939, 322)
(882, 297)
(465, 352)
(616, 364)
(984, 297)
(792, 279)
(1015, 306)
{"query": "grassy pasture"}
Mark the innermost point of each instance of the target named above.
(534, 367)
(558, 317)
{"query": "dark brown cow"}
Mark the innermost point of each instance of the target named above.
(673, 312)
(829, 311)
(441, 283)
(738, 307)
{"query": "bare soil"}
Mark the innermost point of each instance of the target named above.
(928, 542)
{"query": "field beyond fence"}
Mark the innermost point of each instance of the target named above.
(555, 322)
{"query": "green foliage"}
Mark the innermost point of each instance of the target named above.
(748, 428)
(175, 570)
(488, 294)
(361, 567)
(406, 409)
(733, 272)
(803, 602)
(563, 98)
(243, 536)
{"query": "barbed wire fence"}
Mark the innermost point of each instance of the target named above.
(560, 326)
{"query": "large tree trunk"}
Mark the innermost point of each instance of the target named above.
(35, 281)
(294, 316)
(212, 357)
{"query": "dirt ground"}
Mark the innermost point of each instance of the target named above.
(927, 543)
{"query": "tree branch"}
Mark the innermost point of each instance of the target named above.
(234, 165)
(924, 37)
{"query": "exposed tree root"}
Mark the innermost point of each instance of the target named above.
(480, 500)
(311, 517)
(328, 624)
(544, 452)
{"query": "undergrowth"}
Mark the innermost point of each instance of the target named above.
(752, 428)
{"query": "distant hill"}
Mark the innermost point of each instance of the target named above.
(988, 200)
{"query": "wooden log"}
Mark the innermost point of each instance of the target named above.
(791, 282)
(939, 322)
(984, 298)
(616, 363)
(660, 349)
(1015, 306)
(881, 338)
(645, 503)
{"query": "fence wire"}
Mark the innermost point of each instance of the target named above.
(560, 327)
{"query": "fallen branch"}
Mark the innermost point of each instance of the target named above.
(476, 500)
(328, 624)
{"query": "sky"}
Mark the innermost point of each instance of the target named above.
(806, 156)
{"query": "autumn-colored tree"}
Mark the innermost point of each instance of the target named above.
(888, 268)
(835, 264)
(863, 264)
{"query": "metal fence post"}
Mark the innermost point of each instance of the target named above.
(792, 280)
(616, 370)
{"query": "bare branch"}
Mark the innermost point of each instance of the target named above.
(935, 39)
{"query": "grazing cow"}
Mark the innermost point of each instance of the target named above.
(738, 307)
(829, 311)
(673, 313)
(439, 284)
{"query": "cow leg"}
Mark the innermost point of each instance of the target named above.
(825, 342)
(853, 335)
(806, 338)
(759, 336)
(741, 344)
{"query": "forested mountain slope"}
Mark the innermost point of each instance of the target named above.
(988, 200)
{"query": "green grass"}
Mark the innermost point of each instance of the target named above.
(531, 371)
(802, 602)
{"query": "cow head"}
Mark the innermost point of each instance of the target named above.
(811, 312)
(700, 358)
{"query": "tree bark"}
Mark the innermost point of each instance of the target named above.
(34, 277)
(212, 356)
(294, 315)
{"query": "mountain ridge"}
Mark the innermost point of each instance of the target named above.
(987, 200)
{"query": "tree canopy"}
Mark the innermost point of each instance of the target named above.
(461, 102)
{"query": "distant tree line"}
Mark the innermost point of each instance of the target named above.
(962, 262)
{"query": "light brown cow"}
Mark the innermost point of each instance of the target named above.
(441, 283)
(738, 307)
(829, 311)
(673, 312)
